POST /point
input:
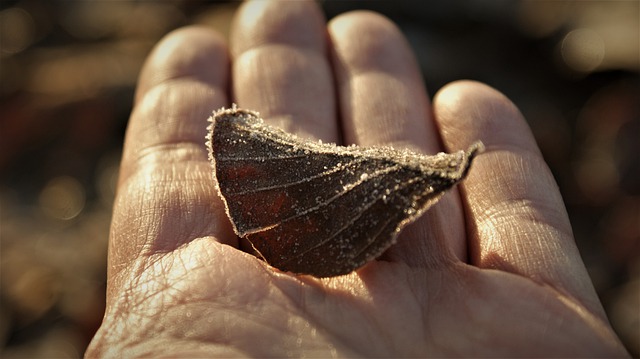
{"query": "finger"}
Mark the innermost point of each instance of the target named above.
(280, 66)
(516, 219)
(383, 101)
(166, 195)
(182, 81)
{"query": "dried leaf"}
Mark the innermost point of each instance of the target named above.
(321, 209)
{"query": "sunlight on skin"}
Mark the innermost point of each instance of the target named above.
(179, 286)
(245, 300)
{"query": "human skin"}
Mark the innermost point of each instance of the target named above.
(491, 270)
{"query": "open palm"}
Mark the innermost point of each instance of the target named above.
(491, 270)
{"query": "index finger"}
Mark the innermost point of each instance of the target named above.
(516, 218)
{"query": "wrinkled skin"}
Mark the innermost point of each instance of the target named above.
(491, 270)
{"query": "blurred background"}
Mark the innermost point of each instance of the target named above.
(68, 71)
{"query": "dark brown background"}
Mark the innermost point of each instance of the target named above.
(67, 75)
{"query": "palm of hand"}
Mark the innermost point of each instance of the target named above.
(209, 299)
(200, 297)
(490, 270)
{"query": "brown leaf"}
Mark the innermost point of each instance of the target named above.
(321, 209)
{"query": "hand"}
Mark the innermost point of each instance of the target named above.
(491, 270)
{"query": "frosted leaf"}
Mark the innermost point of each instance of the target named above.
(316, 208)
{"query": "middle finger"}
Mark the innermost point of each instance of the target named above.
(383, 101)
